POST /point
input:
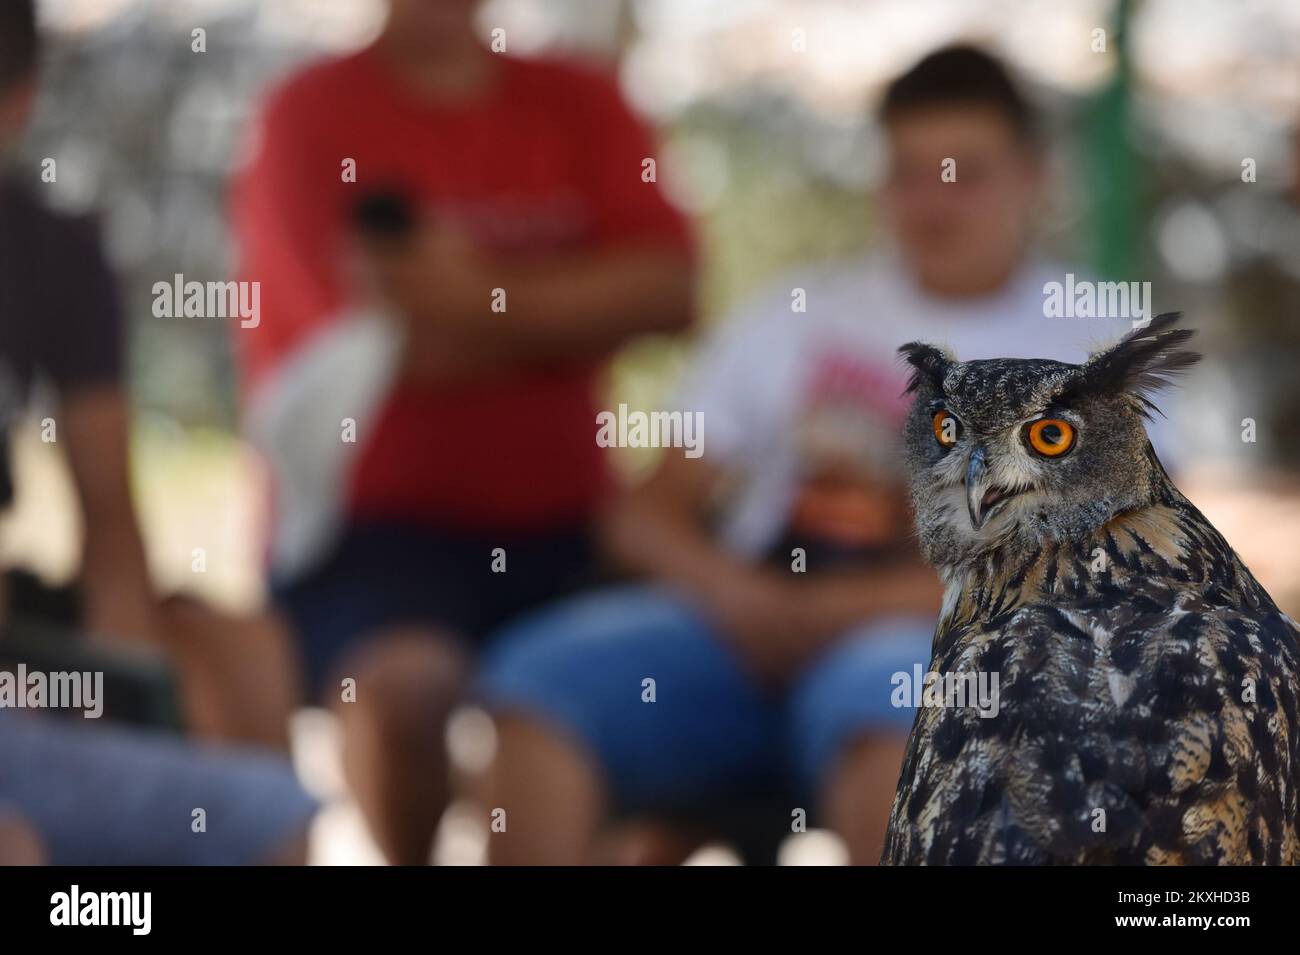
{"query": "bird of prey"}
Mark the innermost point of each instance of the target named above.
(1146, 684)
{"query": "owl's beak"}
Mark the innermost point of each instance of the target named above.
(976, 470)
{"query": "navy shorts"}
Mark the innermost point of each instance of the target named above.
(384, 575)
(711, 732)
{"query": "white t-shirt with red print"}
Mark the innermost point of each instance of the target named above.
(802, 407)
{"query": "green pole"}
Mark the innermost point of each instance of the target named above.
(1114, 168)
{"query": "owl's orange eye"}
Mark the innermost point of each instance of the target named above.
(1050, 437)
(946, 428)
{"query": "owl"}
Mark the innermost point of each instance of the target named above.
(1145, 684)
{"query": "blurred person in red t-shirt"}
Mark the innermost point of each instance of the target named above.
(423, 389)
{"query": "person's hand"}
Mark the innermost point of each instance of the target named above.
(440, 288)
(435, 277)
(761, 615)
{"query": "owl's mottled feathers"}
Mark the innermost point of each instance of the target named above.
(1148, 685)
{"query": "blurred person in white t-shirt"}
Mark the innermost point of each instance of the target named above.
(781, 594)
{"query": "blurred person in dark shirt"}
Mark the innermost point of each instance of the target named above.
(61, 325)
(73, 792)
(59, 320)
(785, 595)
(424, 398)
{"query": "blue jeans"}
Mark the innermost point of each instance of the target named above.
(711, 732)
(102, 795)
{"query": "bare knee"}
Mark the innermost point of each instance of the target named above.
(401, 686)
(239, 674)
(522, 736)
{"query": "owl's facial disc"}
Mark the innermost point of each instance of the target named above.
(1033, 450)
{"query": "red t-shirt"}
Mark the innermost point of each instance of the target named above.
(549, 159)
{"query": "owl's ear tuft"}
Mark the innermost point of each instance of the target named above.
(1141, 363)
(928, 364)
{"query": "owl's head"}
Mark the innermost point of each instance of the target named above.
(1009, 452)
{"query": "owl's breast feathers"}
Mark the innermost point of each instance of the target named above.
(1147, 708)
